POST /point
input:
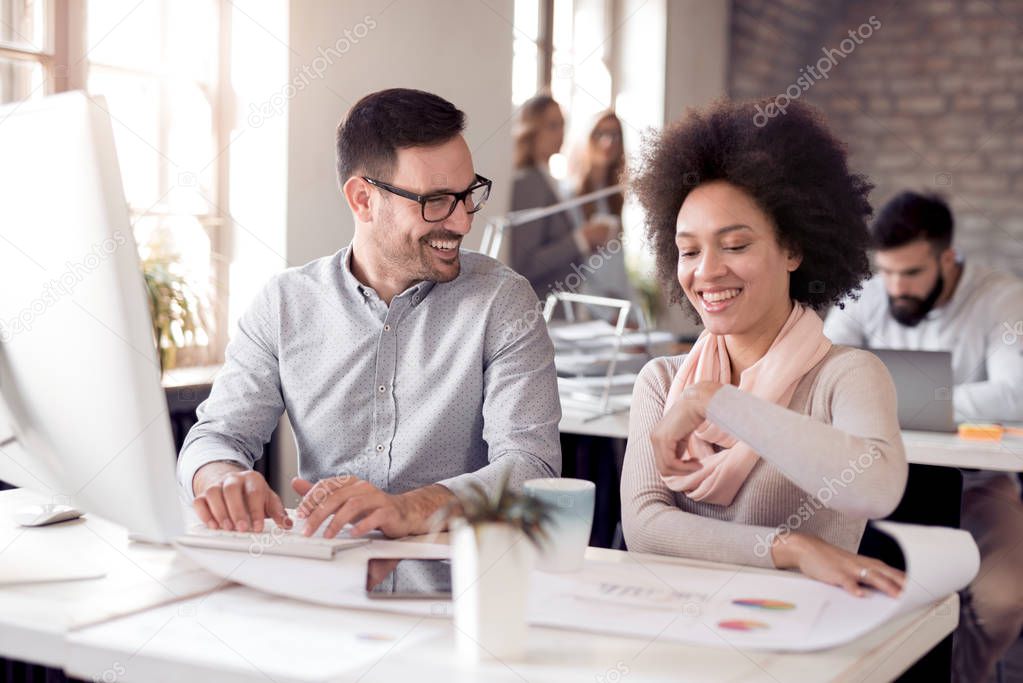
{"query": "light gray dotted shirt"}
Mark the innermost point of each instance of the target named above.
(453, 382)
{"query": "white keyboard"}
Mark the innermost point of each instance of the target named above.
(273, 540)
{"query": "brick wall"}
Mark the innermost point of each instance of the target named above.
(772, 40)
(928, 97)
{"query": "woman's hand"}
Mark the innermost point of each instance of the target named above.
(822, 561)
(596, 234)
(670, 436)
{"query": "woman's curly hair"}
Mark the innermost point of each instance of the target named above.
(793, 168)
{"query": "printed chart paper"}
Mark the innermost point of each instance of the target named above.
(646, 598)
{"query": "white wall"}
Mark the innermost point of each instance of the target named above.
(459, 49)
(697, 57)
(257, 197)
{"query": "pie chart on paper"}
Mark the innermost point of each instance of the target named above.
(765, 604)
(742, 625)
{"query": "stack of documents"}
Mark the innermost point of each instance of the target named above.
(597, 367)
(748, 610)
(597, 364)
(600, 334)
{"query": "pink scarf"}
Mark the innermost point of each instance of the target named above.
(799, 346)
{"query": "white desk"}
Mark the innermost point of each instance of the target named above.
(948, 450)
(922, 448)
(615, 426)
(224, 632)
(36, 617)
(239, 634)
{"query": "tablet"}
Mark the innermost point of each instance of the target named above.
(408, 578)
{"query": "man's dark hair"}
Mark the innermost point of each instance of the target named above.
(381, 123)
(791, 165)
(911, 216)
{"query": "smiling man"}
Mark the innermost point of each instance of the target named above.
(926, 298)
(392, 357)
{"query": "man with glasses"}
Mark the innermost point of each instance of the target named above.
(393, 357)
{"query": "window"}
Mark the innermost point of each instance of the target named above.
(157, 64)
(580, 77)
(527, 49)
(26, 50)
(563, 47)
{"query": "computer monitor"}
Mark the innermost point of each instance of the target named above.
(83, 418)
(924, 387)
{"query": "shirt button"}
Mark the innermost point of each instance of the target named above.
(415, 300)
(380, 447)
(387, 328)
(381, 388)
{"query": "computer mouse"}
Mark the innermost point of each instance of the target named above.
(41, 515)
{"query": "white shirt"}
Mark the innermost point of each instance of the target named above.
(452, 383)
(982, 325)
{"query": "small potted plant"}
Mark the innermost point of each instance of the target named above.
(177, 310)
(494, 540)
(648, 291)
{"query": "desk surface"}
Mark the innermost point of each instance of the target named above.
(35, 617)
(239, 634)
(615, 426)
(922, 448)
(179, 623)
(948, 450)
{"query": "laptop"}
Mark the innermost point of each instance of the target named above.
(923, 384)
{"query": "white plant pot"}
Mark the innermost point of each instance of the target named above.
(490, 589)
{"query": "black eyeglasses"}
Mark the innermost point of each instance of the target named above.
(439, 205)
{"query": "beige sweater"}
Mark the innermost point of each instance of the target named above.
(828, 463)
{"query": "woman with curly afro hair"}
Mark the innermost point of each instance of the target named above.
(766, 444)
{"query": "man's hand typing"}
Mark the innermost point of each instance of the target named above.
(230, 497)
(350, 500)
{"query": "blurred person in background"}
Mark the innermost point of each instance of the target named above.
(925, 297)
(545, 250)
(600, 165)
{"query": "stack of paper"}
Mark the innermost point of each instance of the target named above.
(749, 610)
(600, 334)
(597, 367)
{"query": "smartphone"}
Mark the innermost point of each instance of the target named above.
(408, 578)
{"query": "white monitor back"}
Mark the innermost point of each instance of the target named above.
(79, 376)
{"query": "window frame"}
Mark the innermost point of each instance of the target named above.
(216, 221)
(65, 33)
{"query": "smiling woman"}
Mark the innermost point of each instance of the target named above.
(791, 168)
(741, 450)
